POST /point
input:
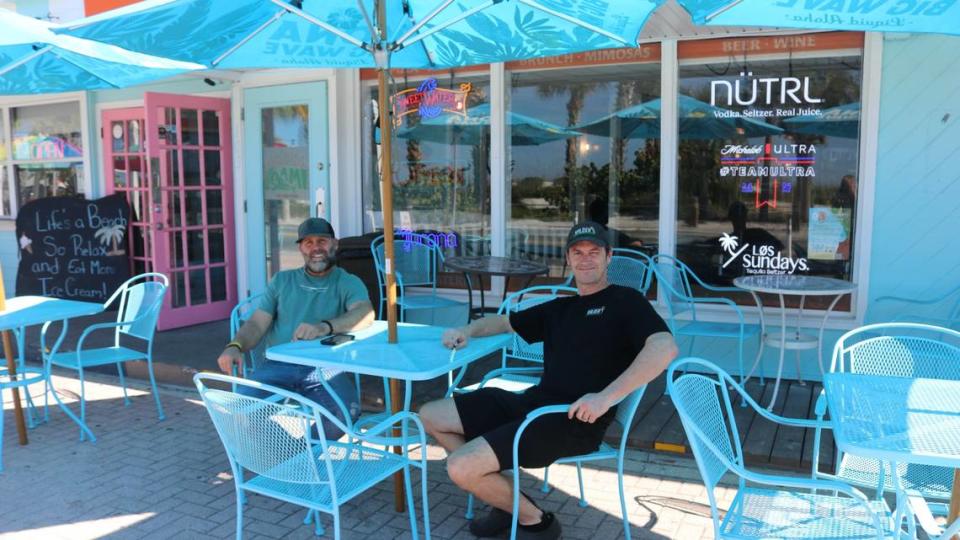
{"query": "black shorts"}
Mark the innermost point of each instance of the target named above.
(496, 414)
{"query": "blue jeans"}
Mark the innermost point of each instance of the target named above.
(306, 381)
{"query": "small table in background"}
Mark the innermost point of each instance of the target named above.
(796, 340)
(488, 265)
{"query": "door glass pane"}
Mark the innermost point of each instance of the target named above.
(215, 241)
(5, 191)
(175, 219)
(179, 292)
(194, 209)
(168, 131)
(136, 210)
(211, 128)
(119, 172)
(136, 238)
(286, 182)
(218, 283)
(173, 168)
(195, 248)
(116, 136)
(214, 207)
(135, 171)
(191, 167)
(198, 287)
(189, 127)
(134, 136)
(176, 250)
(211, 167)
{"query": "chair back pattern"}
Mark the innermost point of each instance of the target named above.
(139, 299)
(704, 405)
(674, 279)
(630, 268)
(416, 263)
(911, 350)
(269, 438)
(239, 315)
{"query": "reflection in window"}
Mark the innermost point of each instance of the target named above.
(768, 166)
(584, 144)
(441, 161)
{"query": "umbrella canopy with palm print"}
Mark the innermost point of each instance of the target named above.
(698, 120)
(368, 33)
(34, 60)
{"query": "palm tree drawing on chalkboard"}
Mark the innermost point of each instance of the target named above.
(111, 234)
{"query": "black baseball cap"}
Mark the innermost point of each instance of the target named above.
(315, 227)
(590, 231)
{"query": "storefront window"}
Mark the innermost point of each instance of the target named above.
(583, 144)
(441, 158)
(46, 150)
(768, 150)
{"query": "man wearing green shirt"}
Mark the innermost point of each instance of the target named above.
(302, 304)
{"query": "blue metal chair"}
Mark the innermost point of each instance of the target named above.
(676, 281)
(21, 381)
(417, 259)
(521, 363)
(239, 315)
(271, 440)
(896, 350)
(138, 301)
(765, 506)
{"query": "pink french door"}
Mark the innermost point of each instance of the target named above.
(189, 161)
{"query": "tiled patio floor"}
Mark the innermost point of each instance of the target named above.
(170, 479)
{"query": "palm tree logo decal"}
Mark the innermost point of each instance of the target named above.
(729, 244)
(112, 234)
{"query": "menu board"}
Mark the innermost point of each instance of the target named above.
(73, 248)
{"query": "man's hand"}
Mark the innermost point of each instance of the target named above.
(589, 407)
(454, 338)
(231, 356)
(306, 332)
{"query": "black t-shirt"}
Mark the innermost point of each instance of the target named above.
(588, 341)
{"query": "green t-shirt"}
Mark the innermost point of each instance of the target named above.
(294, 297)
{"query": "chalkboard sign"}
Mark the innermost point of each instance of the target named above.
(73, 248)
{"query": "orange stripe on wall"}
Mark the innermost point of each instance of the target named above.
(92, 7)
(722, 47)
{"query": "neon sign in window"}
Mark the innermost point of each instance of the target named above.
(429, 101)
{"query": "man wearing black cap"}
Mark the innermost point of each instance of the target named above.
(302, 304)
(598, 347)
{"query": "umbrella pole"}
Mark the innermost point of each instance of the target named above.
(12, 373)
(386, 172)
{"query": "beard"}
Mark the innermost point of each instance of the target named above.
(326, 262)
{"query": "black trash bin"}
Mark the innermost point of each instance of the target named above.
(354, 256)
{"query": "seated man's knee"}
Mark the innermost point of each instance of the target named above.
(432, 415)
(461, 469)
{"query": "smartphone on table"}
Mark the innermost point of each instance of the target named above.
(337, 339)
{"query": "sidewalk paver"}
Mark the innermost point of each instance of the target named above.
(144, 478)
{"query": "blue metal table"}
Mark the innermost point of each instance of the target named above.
(418, 355)
(24, 311)
(897, 420)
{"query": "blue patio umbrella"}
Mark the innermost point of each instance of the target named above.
(367, 33)
(839, 121)
(942, 17)
(35, 60)
(698, 120)
(470, 129)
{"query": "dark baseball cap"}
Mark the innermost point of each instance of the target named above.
(589, 231)
(315, 227)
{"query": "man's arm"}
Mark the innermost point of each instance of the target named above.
(455, 338)
(247, 336)
(358, 316)
(658, 351)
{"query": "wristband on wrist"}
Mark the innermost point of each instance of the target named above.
(329, 325)
(236, 344)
